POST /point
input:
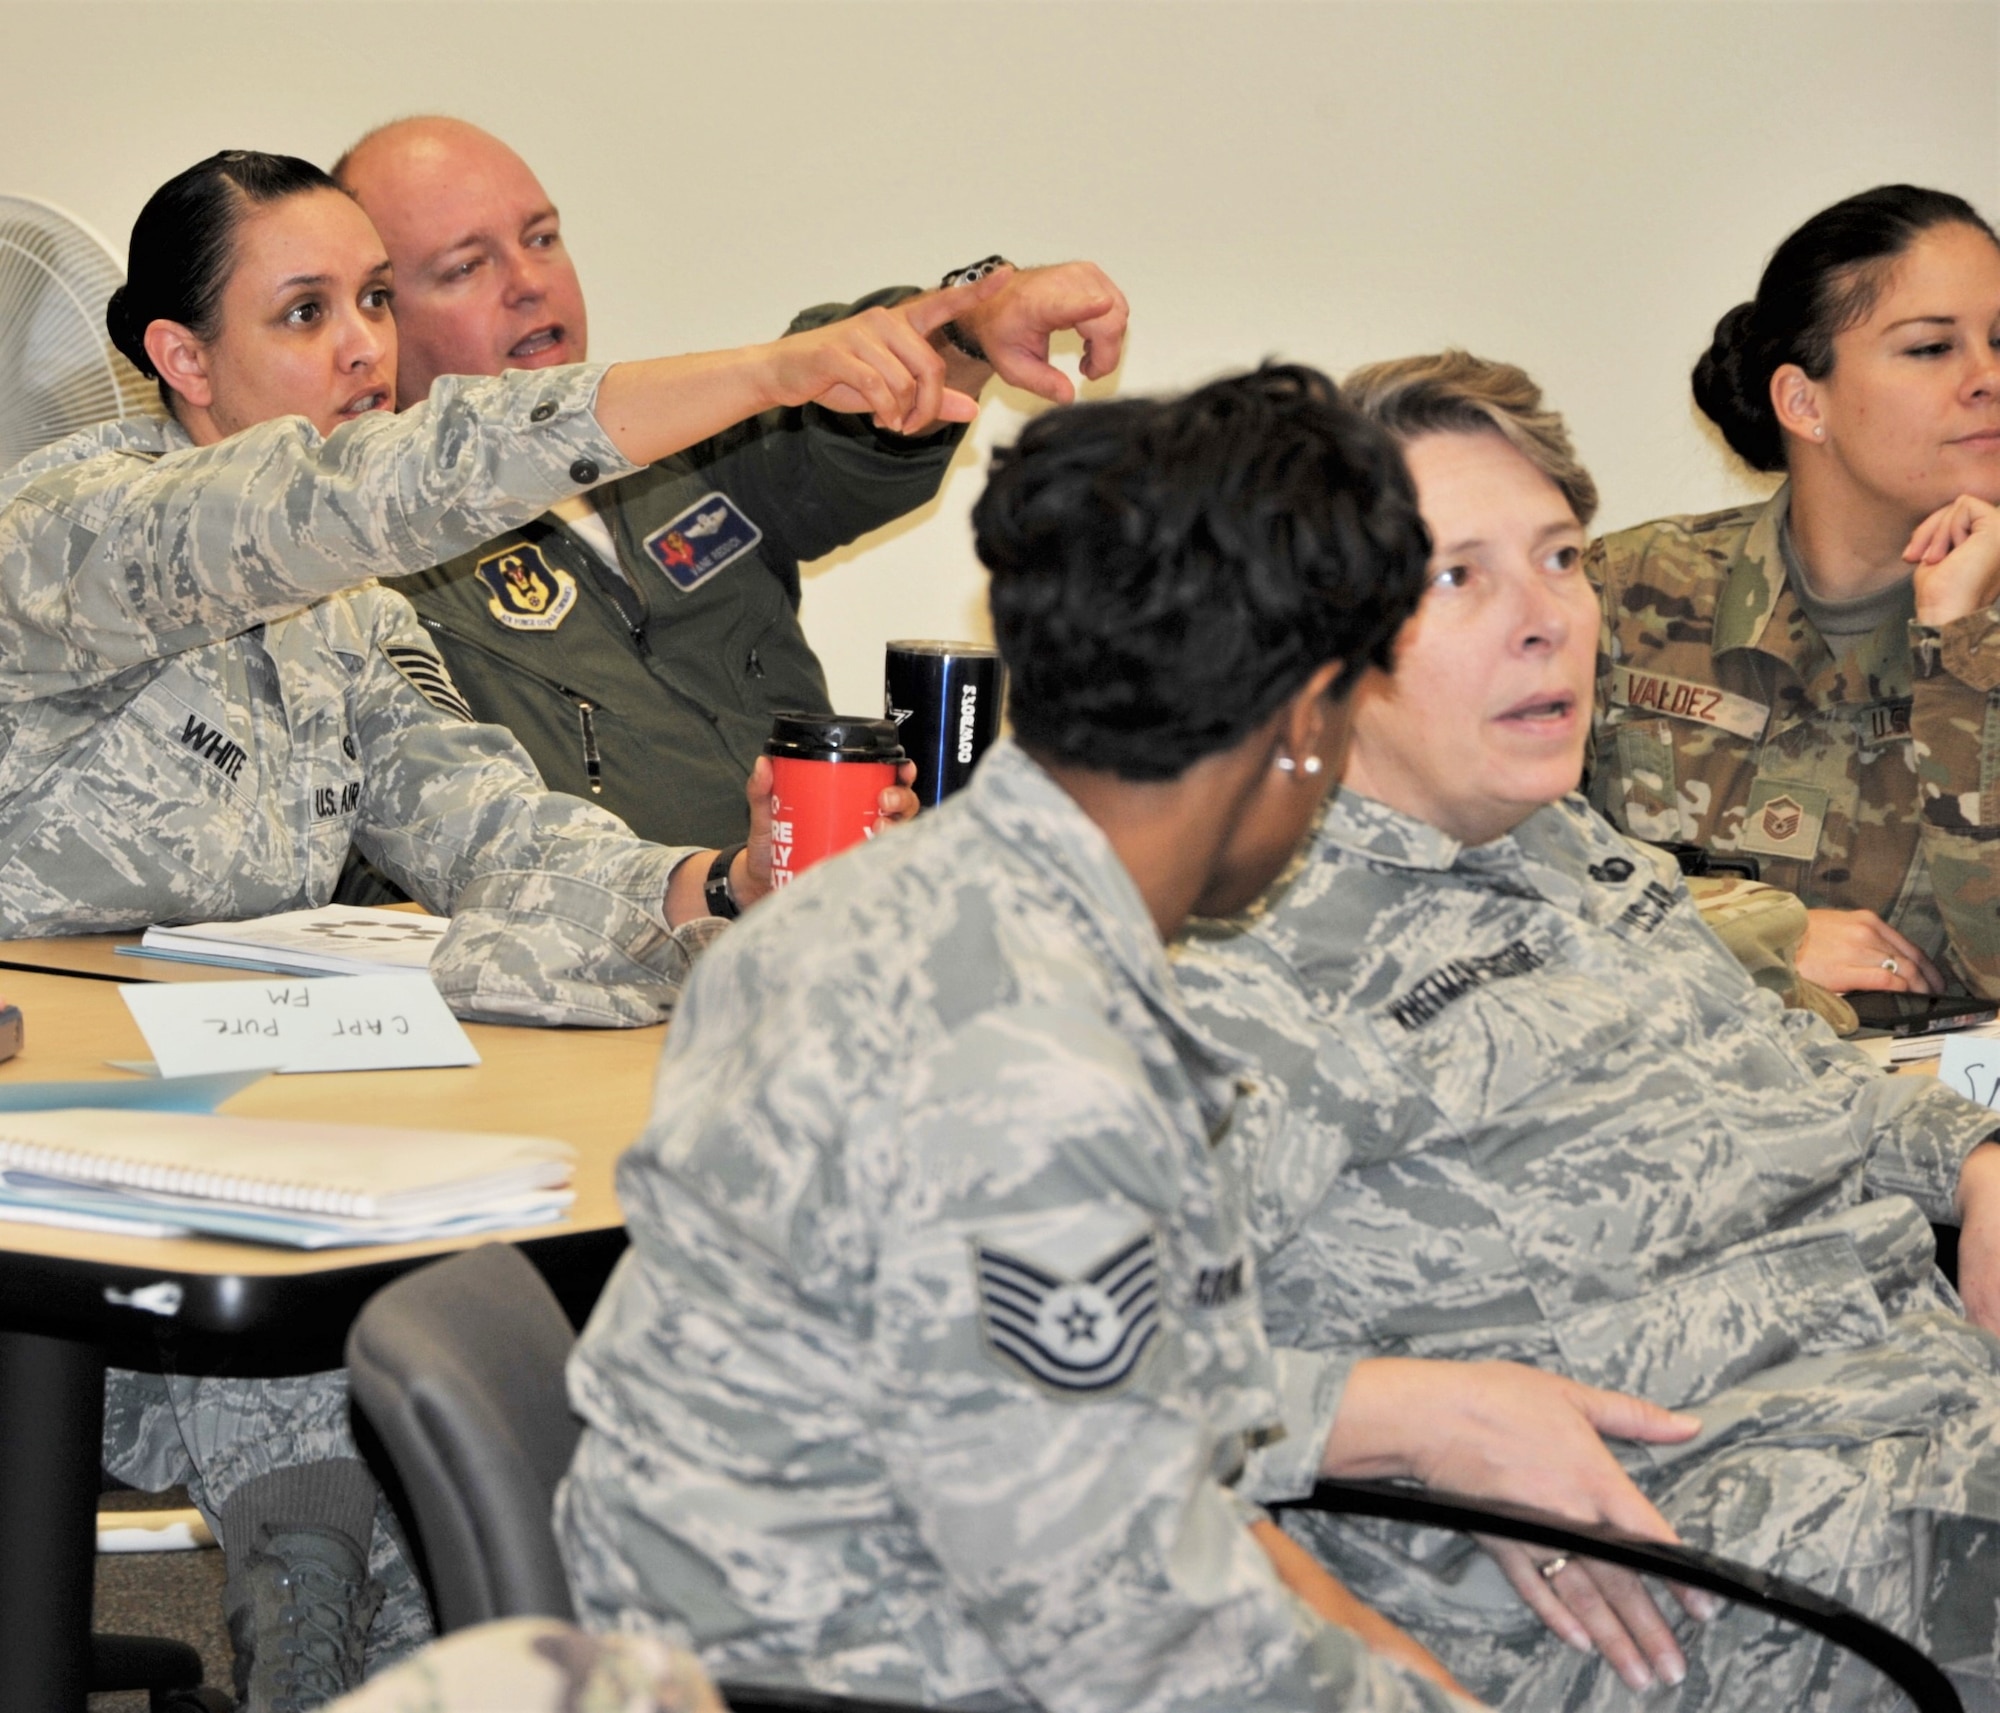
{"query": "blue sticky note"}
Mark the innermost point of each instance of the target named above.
(152, 1094)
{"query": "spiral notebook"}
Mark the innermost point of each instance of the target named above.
(278, 1181)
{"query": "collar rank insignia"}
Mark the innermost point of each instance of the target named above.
(1075, 1335)
(710, 534)
(526, 592)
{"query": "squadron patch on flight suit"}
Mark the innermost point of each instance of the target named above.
(707, 536)
(1783, 819)
(1075, 1335)
(426, 674)
(528, 593)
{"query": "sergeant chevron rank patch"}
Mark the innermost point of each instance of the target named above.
(1075, 1335)
(425, 673)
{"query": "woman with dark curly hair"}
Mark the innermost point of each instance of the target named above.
(936, 1354)
(1809, 682)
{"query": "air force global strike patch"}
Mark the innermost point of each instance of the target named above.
(707, 536)
(1074, 1335)
(526, 592)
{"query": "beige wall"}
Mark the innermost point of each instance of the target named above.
(1580, 187)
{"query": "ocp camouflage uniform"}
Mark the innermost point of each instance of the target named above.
(1521, 1105)
(648, 686)
(1763, 926)
(201, 708)
(937, 1341)
(1859, 782)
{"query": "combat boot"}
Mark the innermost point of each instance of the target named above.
(299, 1608)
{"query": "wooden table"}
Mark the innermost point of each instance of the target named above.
(588, 1087)
(98, 955)
(73, 1301)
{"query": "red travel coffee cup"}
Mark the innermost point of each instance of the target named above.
(828, 773)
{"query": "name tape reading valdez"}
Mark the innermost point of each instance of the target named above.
(1680, 699)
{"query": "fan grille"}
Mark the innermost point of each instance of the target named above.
(58, 369)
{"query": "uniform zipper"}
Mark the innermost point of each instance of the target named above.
(591, 766)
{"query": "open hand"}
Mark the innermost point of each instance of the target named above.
(1851, 951)
(1013, 326)
(1505, 1431)
(880, 363)
(1956, 552)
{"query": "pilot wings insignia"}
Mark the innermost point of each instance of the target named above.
(1076, 1335)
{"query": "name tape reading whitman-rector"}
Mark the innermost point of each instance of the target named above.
(1682, 699)
(1454, 980)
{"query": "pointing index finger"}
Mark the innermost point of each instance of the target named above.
(931, 311)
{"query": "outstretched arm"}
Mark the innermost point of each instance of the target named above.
(880, 364)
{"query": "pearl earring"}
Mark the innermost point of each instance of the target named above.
(1819, 432)
(1287, 765)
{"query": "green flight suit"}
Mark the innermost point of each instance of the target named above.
(652, 695)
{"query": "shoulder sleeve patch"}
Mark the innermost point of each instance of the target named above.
(427, 674)
(1071, 1335)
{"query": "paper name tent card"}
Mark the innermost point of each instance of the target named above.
(337, 939)
(343, 1178)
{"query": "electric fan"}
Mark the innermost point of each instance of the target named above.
(58, 368)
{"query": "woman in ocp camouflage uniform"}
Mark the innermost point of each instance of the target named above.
(1811, 682)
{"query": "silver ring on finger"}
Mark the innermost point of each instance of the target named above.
(1555, 1567)
(1892, 966)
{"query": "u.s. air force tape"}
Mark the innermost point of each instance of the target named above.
(426, 674)
(1076, 1335)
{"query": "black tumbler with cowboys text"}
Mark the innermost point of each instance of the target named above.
(945, 700)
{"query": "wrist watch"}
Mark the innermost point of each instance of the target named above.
(715, 891)
(957, 336)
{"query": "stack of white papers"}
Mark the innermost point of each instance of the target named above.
(1888, 1051)
(306, 1186)
(336, 939)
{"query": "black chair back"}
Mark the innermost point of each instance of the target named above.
(459, 1369)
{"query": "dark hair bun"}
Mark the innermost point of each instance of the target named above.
(1821, 280)
(1733, 389)
(130, 340)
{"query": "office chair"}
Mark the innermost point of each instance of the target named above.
(459, 1369)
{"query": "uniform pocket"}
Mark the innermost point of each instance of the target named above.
(1642, 794)
(1687, 1339)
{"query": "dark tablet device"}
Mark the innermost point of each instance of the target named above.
(1921, 1013)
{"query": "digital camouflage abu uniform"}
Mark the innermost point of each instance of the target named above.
(1521, 1105)
(200, 711)
(1862, 781)
(652, 692)
(937, 1340)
